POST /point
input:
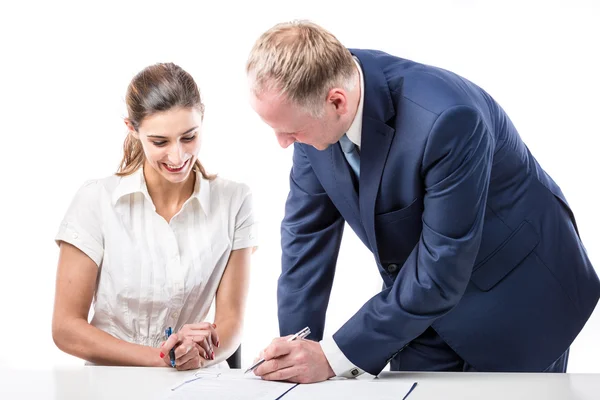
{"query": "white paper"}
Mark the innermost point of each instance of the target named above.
(344, 389)
(227, 386)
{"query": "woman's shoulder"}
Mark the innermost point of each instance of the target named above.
(94, 189)
(229, 187)
(107, 184)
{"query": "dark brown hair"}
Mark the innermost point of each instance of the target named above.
(157, 88)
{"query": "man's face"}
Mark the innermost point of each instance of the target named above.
(292, 123)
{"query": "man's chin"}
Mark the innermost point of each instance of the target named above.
(321, 147)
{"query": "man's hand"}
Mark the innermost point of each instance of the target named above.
(298, 361)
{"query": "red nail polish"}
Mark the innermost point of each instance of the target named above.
(162, 355)
(218, 343)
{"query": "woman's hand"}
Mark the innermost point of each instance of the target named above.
(204, 334)
(188, 354)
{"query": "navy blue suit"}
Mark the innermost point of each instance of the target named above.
(471, 237)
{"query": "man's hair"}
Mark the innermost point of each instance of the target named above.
(302, 61)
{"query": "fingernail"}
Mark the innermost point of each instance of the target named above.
(215, 326)
(213, 355)
(218, 343)
(162, 355)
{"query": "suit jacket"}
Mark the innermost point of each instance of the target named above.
(469, 234)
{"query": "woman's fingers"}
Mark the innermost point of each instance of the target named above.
(207, 348)
(201, 329)
(190, 359)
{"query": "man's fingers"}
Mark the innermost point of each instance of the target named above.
(275, 364)
(274, 349)
(291, 374)
(277, 348)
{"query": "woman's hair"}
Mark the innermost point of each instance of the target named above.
(157, 88)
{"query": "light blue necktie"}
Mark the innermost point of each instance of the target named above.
(351, 153)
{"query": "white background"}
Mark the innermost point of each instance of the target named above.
(65, 68)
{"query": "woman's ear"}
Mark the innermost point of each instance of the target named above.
(131, 128)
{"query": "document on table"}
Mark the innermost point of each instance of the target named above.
(232, 385)
(344, 389)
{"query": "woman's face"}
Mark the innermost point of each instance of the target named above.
(171, 142)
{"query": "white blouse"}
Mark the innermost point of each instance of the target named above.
(153, 274)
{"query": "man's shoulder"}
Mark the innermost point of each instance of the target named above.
(430, 87)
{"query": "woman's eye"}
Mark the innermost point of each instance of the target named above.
(189, 139)
(159, 144)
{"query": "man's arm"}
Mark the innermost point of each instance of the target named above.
(311, 234)
(456, 170)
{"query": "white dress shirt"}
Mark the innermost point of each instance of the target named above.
(339, 362)
(153, 274)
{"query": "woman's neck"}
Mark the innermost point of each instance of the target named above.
(168, 197)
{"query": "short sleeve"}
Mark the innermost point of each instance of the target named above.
(246, 226)
(82, 224)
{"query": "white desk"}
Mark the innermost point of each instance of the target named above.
(114, 383)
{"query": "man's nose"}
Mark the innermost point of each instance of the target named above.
(285, 141)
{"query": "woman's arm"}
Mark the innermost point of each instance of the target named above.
(75, 284)
(231, 303)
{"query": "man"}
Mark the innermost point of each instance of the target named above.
(479, 253)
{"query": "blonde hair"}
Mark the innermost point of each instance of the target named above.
(157, 88)
(302, 61)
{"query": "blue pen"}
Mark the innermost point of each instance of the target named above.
(168, 333)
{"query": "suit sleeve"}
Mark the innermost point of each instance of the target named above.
(456, 171)
(311, 233)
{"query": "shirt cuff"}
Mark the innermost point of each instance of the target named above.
(340, 365)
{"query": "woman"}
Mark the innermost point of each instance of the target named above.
(155, 243)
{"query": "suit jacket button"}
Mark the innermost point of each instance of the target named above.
(392, 268)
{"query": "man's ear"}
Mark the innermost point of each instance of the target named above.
(130, 128)
(338, 97)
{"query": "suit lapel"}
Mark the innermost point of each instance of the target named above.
(334, 173)
(376, 138)
(375, 147)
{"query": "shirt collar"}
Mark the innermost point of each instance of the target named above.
(355, 131)
(135, 183)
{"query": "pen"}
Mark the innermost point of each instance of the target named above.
(168, 333)
(300, 335)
